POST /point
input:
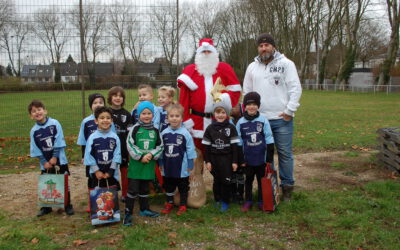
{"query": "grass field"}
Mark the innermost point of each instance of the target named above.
(359, 218)
(342, 217)
(324, 121)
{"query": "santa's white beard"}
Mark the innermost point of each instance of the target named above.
(206, 64)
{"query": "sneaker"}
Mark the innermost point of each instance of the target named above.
(287, 192)
(167, 208)
(44, 211)
(69, 210)
(247, 206)
(149, 213)
(127, 220)
(181, 210)
(224, 207)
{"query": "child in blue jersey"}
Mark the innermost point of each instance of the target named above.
(47, 144)
(257, 144)
(165, 97)
(177, 159)
(145, 93)
(103, 152)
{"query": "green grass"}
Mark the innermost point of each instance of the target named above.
(324, 121)
(358, 217)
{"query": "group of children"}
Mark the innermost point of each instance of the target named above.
(151, 140)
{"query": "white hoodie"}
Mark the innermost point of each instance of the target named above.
(277, 83)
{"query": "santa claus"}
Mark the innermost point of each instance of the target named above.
(195, 84)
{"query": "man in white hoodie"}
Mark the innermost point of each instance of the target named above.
(275, 78)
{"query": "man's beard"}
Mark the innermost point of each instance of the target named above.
(266, 56)
(206, 64)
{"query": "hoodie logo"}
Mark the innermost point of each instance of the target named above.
(123, 118)
(228, 131)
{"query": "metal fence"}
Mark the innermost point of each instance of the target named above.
(360, 89)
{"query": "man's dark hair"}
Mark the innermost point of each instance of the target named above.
(100, 110)
(35, 103)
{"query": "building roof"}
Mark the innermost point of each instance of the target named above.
(37, 71)
(100, 69)
(69, 69)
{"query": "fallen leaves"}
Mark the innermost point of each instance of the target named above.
(80, 242)
(34, 240)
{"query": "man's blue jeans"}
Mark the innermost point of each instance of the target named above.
(283, 137)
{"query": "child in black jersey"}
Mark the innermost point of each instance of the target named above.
(123, 121)
(221, 153)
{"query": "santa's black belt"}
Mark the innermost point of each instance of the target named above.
(206, 115)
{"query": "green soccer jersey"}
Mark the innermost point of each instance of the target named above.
(141, 141)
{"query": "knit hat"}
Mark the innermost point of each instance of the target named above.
(145, 105)
(265, 38)
(252, 97)
(93, 97)
(206, 44)
(223, 105)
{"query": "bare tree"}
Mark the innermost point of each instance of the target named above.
(50, 27)
(7, 10)
(13, 39)
(354, 13)
(169, 30)
(331, 18)
(204, 23)
(94, 20)
(393, 8)
(126, 29)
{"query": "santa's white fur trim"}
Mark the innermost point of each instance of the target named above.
(188, 82)
(208, 84)
(198, 133)
(235, 87)
(188, 124)
(206, 46)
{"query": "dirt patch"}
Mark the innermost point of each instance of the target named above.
(312, 171)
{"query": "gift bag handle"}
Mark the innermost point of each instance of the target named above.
(267, 169)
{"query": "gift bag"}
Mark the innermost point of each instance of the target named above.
(269, 187)
(104, 206)
(197, 190)
(52, 190)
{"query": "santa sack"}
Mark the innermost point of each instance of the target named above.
(52, 190)
(197, 189)
(269, 187)
(104, 206)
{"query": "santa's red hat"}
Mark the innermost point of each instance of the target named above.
(206, 44)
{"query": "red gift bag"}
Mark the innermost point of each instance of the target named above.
(269, 187)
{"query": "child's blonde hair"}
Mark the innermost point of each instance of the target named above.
(175, 106)
(170, 92)
(147, 87)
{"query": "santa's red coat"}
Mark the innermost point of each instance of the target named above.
(195, 94)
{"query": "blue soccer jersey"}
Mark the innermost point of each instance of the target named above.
(254, 136)
(163, 119)
(179, 152)
(103, 152)
(88, 127)
(45, 138)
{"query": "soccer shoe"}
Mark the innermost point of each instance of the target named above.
(287, 192)
(69, 210)
(44, 211)
(149, 213)
(181, 210)
(127, 220)
(247, 206)
(167, 208)
(224, 207)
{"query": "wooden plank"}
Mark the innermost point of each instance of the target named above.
(389, 145)
(388, 163)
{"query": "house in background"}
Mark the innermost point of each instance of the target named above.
(100, 69)
(69, 72)
(37, 74)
